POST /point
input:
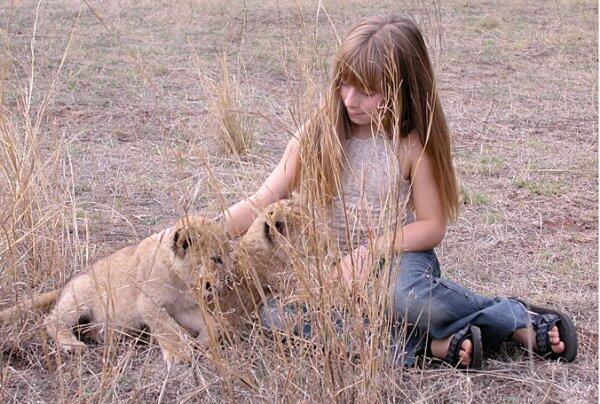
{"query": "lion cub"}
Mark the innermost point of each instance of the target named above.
(263, 263)
(156, 284)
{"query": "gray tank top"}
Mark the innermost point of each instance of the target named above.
(374, 193)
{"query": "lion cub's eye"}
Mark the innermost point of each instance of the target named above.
(217, 259)
(279, 226)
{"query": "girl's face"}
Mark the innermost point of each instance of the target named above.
(362, 106)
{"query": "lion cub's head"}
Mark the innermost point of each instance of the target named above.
(277, 231)
(203, 251)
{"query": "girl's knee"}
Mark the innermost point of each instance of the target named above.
(275, 316)
(272, 315)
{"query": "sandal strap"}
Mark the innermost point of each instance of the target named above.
(542, 324)
(458, 338)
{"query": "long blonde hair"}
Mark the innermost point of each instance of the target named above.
(386, 55)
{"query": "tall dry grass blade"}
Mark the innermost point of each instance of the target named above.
(234, 127)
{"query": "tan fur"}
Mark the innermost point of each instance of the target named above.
(262, 262)
(42, 303)
(155, 284)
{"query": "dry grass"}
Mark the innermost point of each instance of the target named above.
(106, 136)
(235, 127)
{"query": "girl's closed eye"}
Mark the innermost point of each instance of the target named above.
(364, 91)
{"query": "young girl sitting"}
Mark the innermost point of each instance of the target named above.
(383, 128)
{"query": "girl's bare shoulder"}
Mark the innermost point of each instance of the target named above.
(412, 150)
(412, 143)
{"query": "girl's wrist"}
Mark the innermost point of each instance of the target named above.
(387, 245)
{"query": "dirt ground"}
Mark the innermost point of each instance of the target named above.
(116, 130)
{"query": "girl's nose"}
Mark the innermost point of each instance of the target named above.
(351, 100)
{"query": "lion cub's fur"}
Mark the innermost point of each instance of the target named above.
(156, 284)
(263, 262)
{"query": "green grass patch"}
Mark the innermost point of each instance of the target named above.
(543, 187)
(492, 164)
(486, 24)
(492, 217)
(473, 198)
(489, 51)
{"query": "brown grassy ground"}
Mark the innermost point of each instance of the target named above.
(114, 145)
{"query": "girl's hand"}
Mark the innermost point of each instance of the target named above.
(360, 271)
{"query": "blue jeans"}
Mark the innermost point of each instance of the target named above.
(434, 307)
(440, 307)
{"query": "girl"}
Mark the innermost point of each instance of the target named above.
(383, 128)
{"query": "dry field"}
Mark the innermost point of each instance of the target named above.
(108, 116)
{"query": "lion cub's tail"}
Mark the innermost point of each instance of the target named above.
(42, 303)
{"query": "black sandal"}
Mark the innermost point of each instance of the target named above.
(542, 321)
(471, 332)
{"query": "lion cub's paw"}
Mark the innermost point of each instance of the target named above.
(174, 356)
(72, 347)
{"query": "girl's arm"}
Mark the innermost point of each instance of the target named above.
(279, 185)
(429, 228)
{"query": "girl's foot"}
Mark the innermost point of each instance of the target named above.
(552, 333)
(526, 337)
(439, 349)
(462, 349)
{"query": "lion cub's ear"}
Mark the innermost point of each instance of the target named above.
(269, 229)
(182, 240)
